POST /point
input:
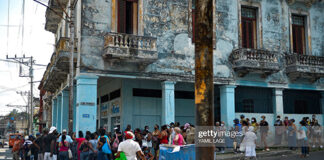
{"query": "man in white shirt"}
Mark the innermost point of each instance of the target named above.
(130, 147)
(68, 138)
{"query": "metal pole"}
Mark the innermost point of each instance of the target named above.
(204, 87)
(31, 96)
(27, 112)
(71, 67)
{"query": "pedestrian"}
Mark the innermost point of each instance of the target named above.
(302, 137)
(85, 147)
(178, 138)
(79, 141)
(264, 129)
(34, 147)
(255, 125)
(147, 153)
(138, 136)
(220, 129)
(16, 148)
(104, 148)
(279, 131)
(156, 136)
(63, 148)
(249, 143)
(242, 118)
(68, 138)
(147, 138)
(317, 134)
(130, 147)
(164, 135)
(190, 134)
(286, 124)
(41, 143)
(292, 143)
(26, 147)
(94, 142)
(237, 128)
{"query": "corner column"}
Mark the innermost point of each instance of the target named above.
(278, 109)
(65, 110)
(322, 107)
(86, 100)
(168, 102)
(227, 100)
(54, 112)
(59, 113)
(74, 108)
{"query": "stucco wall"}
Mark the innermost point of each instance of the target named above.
(168, 22)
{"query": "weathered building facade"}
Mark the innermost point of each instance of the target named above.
(135, 61)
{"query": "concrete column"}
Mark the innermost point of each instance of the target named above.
(65, 110)
(227, 100)
(322, 107)
(168, 102)
(86, 100)
(54, 112)
(278, 109)
(74, 108)
(59, 113)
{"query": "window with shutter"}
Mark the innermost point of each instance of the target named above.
(127, 16)
(248, 27)
(298, 31)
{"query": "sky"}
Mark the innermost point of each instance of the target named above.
(35, 41)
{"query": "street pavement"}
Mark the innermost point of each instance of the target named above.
(313, 156)
(5, 153)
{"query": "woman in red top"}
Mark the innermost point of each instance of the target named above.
(64, 148)
(79, 140)
(164, 134)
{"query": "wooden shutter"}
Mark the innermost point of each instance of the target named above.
(298, 31)
(121, 16)
(248, 27)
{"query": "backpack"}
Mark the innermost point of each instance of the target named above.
(106, 148)
(116, 142)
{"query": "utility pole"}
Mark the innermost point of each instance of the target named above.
(29, 63)
(71, 98)
(204, 87)
(25, 93)
(31, 75)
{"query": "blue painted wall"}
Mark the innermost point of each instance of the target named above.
(142, 111)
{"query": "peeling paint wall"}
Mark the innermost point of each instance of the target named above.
(168, 21)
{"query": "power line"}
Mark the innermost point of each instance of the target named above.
(5, 60)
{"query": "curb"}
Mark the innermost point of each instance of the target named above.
(259, 155)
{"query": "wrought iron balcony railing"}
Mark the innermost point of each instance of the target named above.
(130, 48)
(306, 66)
(246, 60)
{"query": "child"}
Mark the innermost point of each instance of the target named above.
(147, 153)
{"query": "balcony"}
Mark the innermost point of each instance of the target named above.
(306, 66)
(245, 60)
(130, 48)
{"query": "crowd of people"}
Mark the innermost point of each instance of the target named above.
(286, 134)
(101, 145)
(145, 143)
